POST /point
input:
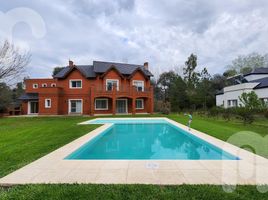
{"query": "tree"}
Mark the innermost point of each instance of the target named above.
(251, 101)
(12, 61)
(56, 70)
(178, 96)
(5, 97)
(246, 63)
(164, 82)
(190, 76)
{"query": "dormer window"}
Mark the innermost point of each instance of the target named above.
(44, 85)
(35, 85)
(75, 84)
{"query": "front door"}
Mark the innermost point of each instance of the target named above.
(75, 106)
(121, 106)
(33, 107)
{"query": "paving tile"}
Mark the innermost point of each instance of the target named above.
(189, 164)
(197, 176)
(115, 164)
(112, 176)
(81, 176)
(144, 176)
(168, 177)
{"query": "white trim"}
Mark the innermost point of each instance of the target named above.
(44, 85)
(133, 83)
(69, 106)
(70, 83)
(53, 84)
(29, 108)
(46, 105)
(107, 104)
(117, 80)
(124, 99)
(35, 85)
(142, 100)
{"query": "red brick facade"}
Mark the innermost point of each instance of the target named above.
(65, 100)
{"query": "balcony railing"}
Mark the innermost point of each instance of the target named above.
(122, 90)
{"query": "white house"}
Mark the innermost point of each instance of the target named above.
(256, 81)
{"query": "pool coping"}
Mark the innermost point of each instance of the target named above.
(53, 168)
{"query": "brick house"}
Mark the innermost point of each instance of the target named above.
(101, 88)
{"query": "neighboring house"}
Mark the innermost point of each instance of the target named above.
(101, 88)
(256, 81)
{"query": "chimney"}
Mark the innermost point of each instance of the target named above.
(146, 65)
(71, 63)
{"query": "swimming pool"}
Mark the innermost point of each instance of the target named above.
(140, 139)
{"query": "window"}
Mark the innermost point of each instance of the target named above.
(101, 104)
(110, 83)
(232, 103)
(139, 85)
(75, 106)
(44, 85)
(139, 104)
(53, 84)
(35, 85)
(75, 83)
(47, 103)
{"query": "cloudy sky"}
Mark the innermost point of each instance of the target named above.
(162, 32)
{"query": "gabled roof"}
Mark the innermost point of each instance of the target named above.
(136, 70)
(29, 96)
(261, 70)
(112, 68)
(100, 67)
(123, 68)
(86, 70)
(263, 83)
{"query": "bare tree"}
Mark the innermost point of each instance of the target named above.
(12, 61)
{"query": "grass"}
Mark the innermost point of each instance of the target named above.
(124, 192)
(23, 140)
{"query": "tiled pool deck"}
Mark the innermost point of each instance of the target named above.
(52, 168)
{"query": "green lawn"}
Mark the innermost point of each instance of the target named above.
(23, 140)
(139, 192)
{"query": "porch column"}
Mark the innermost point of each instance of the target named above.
(133, 106)
(92, 100)
(151, 101)
(113, 105)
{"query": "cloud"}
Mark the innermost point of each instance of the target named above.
(164, 33)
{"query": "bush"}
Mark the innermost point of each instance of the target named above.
(266, 114)
(162, 107)
(245, 114)
(214, 111)
(165, 108)
(227, 113)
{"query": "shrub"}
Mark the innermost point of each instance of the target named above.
(266, 114)
(245, 114)
(227, 113)
(165, 108)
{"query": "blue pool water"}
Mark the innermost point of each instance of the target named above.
(147, 139)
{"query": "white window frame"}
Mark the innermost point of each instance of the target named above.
(126, 100)
(69, 105)
(142, 100)
(107, 104)
(35, 85)
(117, 81)
(29, 108)
(72, 80)
(138, 81)
(46, 104)
(53, 84)
(44, 85)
